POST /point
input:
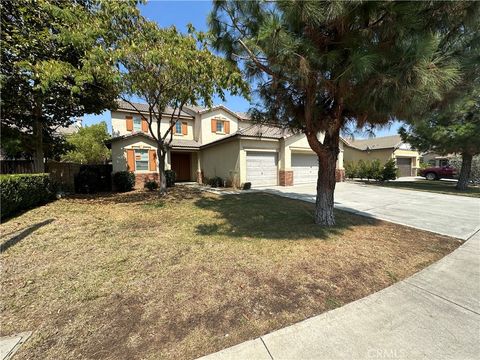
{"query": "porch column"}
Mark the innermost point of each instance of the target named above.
(285, 173)
(199, 169)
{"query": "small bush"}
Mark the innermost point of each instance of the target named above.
(351, 170)
(151, 185)
(216, 182)
(87, 181)
(247, 186)
(124, 181)
(390, 170)
(23, 192)
(376, 170)
(362, 169)
(170, 177)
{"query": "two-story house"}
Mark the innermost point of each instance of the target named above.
(214, 142)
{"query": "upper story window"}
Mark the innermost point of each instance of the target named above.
(178, 127)
(137, 124)
(141, 159)
(220, 126)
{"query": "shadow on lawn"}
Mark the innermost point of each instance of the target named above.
(174, 194)
(264, 215)
(17, 238)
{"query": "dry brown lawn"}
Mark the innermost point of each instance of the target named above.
(132, 276)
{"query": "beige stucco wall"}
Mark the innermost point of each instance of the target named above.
(206, 134)
(119, 125)
(353, 155)
(221, 160)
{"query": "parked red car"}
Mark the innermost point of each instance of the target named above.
(436, 173)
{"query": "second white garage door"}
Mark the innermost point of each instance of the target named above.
(305, 168)
(262, 168)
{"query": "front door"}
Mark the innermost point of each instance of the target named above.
(181, 166)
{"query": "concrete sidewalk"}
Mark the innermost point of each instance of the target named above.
(434, 314)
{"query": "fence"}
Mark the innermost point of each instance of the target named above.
(63, 174)
(16, 167)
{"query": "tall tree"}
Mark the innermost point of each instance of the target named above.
(56, 63)
(88, 145)
(167, 69)
(455, 129)
(453, 123)
(324, 65)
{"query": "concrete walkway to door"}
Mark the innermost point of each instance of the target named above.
(434, 314)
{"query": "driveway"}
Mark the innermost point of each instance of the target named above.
(434, 314)
(451, 215)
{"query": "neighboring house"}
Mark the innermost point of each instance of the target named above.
(214, 142)
(436, 160)
(384, 149)
(70, 129)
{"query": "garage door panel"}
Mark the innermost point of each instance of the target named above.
(262, 168)
(305, 168)
(404, 166)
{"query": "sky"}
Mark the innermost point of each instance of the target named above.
(180, 13)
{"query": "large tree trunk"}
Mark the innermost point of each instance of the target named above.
(464, 177)
(162, 179)
(38, 155)
(325, 189)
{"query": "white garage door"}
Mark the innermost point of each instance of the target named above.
(305, 168)
(262, 168)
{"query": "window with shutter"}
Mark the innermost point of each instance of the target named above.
(220, 126)
(141, 160)
(137, 124)
(178, 128)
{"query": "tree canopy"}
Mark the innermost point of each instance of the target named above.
(165, 68)
(322, 65)
(56, 62)
(88, 145)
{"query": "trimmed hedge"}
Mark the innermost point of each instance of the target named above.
(124, 181)
(24, 191)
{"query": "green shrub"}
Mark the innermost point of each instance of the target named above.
(351, 170)
(151, 185)
(362, 169)
(390, 170)
(247, 186)
(170, 177)
(216, 182)
(24, 191)
(124, 181)
(375, 170)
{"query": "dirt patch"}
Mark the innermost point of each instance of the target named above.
(138, 276)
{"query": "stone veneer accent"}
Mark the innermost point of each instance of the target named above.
(339, 175)
(286, 177)
(141, 179)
